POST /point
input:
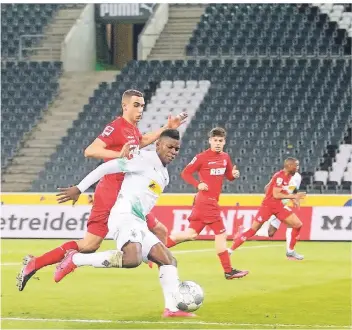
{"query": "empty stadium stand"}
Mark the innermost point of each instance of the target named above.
(27, 89)
(23, 19)
(269, 30)
(271, 108)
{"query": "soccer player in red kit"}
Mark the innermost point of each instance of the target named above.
(273, 204)
(212, 166)
(120, 138)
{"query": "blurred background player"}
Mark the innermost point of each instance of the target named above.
(212, 165)
(270, 227)
(274, 204)
(120, 138)
(145, 180)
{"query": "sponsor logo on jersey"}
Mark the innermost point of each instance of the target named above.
(107, 131)
(155, 188)
(217, 171)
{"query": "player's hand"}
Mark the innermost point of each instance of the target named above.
(175, 122)
(125, 151)
(68, 194)
(203, 186)
(297, 203)
(235, 172)
(300, 195)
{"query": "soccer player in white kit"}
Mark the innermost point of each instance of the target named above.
(270, 227)
(146, 177)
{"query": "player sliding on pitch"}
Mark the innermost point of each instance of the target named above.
(270, 227)
(212, 166)
(276, 196)
(146, 177)
(120, 138)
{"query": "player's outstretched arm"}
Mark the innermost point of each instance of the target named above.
(97, 149)
(278, 194)
(173, 123)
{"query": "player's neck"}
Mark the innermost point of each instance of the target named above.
(129, 120)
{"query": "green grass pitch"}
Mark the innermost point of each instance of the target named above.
(277, 294)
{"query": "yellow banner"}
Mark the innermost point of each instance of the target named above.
(177, 199)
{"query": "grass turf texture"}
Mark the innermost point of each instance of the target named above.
(314, 293)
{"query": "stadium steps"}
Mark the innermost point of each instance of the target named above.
(56, 32)
(178, 30)
(75, 90)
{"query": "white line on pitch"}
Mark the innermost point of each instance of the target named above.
(179, 323)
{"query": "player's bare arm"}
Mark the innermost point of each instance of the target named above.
(97, 149)
(172, 123)
(278, 194)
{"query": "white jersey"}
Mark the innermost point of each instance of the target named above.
(145, 179)
(294, 184)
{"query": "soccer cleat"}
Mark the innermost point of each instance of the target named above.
(235, 273)
(168, 313)
(65, 267)
(27, 271)
(294, 256)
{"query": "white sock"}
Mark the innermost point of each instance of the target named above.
(288, 239)
(97, 260)
(169, 281)
(264, 230)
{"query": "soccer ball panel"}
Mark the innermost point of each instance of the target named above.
(190, 296)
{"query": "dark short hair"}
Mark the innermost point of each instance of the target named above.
(170, 133)
(132, 92)
(218, 132)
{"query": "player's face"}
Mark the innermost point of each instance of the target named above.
(133, 108)
(292, 167)
(167, 149)
(217, 143)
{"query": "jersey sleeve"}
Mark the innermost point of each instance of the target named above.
(190, 169)
(118, 165)
(277, 181)
(229, 168)
(109, 135)
(298, 181)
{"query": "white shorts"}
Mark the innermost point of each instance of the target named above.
(274, 222)
(126, 227)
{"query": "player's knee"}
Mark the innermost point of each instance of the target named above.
(297, 224)
(271, 231)
(192, 234)
(132, 255)
(88, 246)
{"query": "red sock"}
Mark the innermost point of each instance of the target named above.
(294, 237)
(225, 261)
(242, 238)
(170, 242)
(55, 256)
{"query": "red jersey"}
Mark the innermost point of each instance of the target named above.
(212, 167)
(279, 180)
(116, 134)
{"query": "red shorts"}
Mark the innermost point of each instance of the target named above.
(206, 213)
(104, 199)
(265, 212)
(217, 227)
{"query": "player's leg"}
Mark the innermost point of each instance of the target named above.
(157, 228)
(168, 274)
(241, 237)
(274, 225)
(295, 225)
(190, 234)
(222, 252)
(128, 236)
(97, 229)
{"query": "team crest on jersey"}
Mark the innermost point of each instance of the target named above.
(155, 188)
